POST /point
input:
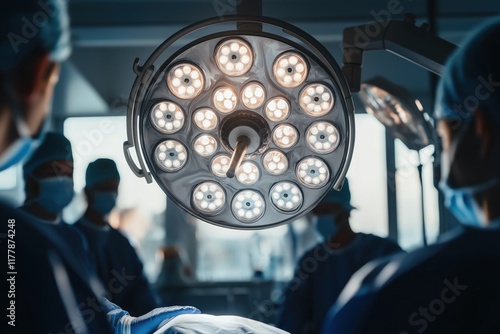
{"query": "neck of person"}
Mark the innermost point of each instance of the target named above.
(491, 206)
(7, 130)
(95, 217)
(38, 211)
(345, 234)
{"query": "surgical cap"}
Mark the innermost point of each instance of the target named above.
(53, 147)
(26, 25)
(101, 170)
(472, 76)
(342, 197)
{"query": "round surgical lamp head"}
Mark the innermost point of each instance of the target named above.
(241, 128)
(398, 111)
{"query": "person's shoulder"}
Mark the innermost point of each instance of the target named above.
(377, 240)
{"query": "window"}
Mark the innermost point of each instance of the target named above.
(409, 197)
(141, 205)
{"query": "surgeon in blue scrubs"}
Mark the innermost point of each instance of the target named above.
(452, 286)
(48, 179)
(324, 270)
(113, 254)
(47, 290)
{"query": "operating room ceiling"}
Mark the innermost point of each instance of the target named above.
(109, 34)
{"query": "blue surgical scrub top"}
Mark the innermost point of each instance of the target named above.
(119, 268)
(450, 287)
(49, 282)
(321, 275)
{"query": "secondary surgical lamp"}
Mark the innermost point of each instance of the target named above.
(399, 112)
(245, 122)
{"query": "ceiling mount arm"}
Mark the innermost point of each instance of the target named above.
(251, 8)
(402, 38)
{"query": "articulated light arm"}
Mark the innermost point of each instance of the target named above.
(402, 38)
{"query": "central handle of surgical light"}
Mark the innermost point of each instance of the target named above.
(239, 152)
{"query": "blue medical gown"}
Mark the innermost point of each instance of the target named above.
(450, 287)
(119, 269)
(319, 278)
(39, 288)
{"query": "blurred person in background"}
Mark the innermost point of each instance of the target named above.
(324, 270)
(112, 252)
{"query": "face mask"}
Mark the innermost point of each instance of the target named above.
(104, 202)
(326, 225)
(460, 201)
(25, 144)
(17, 152)
(55, 193)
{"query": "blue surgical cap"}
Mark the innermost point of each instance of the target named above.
(472, 76)
(26, 25)
(342, 197)
(101, 170)
(53, 147)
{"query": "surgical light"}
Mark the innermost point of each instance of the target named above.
(275, 162)
(398, 111)
(285, 135)
(248, 206)
(167, 117)
(220, 165)
(316, 100)
(243, 122)
(225, 99)
(185, 81)
(205, 119)
(286, 196)
(171, 155)
(209, 198)
(277, 109)
(322, 137)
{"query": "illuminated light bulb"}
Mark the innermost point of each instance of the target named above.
(290, 69)
(275, 162)
(209, 197)
(220, 165)
(225, 99)
(277, 109)
(167, 117)
(248, 206)
(205, 145)
(253, 95)
(171, 155)
(285, 136)
(234, 57)
(322, 137)
(205, 119)
(312, 172)
(185, 81)
(286, 196)
(316, 100)
(248, 173)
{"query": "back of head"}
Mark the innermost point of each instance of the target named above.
(27, 26)
(99, 171)
(472, 76)
(341, 197)
(54, 146)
